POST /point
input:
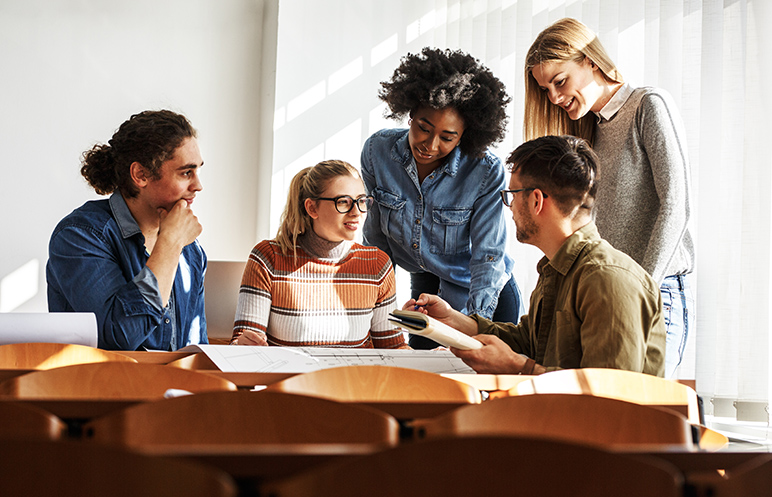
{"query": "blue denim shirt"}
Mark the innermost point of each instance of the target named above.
(451, 225)
(96, 263)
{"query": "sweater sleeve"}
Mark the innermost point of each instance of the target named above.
(383, 333)
(254, 306)
(663, 141)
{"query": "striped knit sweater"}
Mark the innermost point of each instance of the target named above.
(341, 297)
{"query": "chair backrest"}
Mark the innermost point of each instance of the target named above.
(53, 355)
(244, 417)
(110, 380)
(197, 362)
(617, 384)
(486, 466)
(221, 290)
(19, 420)
(43, 468)
(378, 384)
(574, 418)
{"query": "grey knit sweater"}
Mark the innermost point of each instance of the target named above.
(643, 203)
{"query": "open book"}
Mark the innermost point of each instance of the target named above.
(420, 324)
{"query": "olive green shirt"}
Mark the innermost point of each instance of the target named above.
(593, 307)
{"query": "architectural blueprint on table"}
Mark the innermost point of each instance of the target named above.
(243, 359)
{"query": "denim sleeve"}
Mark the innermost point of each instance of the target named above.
(94, 274)
(200, 310)
(488, 230)
(371, 232)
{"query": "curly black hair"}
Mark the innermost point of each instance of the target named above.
(150, 138)
(445, 78)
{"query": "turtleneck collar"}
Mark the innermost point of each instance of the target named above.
(320, 248)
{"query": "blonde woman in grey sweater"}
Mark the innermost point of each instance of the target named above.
(643, 205)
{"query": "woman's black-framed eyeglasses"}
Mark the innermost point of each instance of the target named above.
(507, 196)
(344, 203)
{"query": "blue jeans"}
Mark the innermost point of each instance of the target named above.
(678, 312)
(508, 309)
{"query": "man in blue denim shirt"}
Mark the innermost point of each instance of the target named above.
(133, 259)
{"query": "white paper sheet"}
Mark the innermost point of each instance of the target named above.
(246, 359)
(78, 328)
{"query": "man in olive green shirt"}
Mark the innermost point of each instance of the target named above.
(593, 306)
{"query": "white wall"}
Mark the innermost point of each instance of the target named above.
(73, 70)
(333, 54)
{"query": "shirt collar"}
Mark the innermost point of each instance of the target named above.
(567, 254)
(126, 222)
(402, 153)
(615, 103)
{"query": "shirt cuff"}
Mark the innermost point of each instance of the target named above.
(148, 287)
(484, 325)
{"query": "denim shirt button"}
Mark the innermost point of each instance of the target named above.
(166, 320)
(415, 245)
(418, 221)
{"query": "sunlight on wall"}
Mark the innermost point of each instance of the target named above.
(306, 100)
(384, 49)
(281, 180)
(345, 75)
(377, 122)
(279, 118)
(338, 145)
(429, 21)
(19, 286)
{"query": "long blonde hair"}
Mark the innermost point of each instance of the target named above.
(565, 40)
(308, 183)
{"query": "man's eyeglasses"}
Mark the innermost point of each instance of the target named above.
(507, 196)
(344, 203)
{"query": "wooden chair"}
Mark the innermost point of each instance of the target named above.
(378, 384)
(486, 466)
(616, 384)
(109, 380)
(53, 355)
(221, 288)
(243, 418)
(196, 362)
(629, 386)
(18, 420)
(44, 468)
(573, 418)
(751, 478)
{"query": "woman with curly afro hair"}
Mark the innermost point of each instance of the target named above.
(437, 209)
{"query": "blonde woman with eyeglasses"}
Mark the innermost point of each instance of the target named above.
(313, 285)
